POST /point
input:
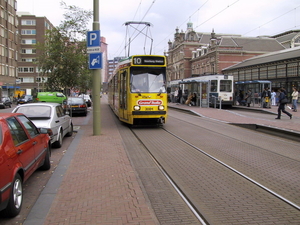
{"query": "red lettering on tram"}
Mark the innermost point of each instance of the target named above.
(149, 102)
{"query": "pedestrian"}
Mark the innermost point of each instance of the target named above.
(295, 96)
(179, 95)
(273, 97)
(176, 92)
(264, 97)
(248, 97)
(282, 102)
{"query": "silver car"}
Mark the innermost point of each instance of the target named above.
(50, 116)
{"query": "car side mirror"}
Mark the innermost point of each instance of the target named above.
(43, 130)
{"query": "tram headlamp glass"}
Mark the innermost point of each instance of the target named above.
(137, 107)
(161, 107)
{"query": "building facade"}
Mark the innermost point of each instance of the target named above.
(195, 53)
(282, 68)
(32, 30)
(9, 53)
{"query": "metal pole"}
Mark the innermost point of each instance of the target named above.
(96, 73)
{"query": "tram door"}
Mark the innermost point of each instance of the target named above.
(123, 95)
(204, 97)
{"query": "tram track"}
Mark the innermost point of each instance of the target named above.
(161, 143)
(204, 218)
(239, 173)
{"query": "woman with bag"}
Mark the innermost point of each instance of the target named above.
(295, 95)
(282, 101)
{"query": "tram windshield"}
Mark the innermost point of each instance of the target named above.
(150, 80)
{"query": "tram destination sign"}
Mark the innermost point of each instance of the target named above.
(148, 60)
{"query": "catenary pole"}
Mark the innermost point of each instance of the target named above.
(96, 73)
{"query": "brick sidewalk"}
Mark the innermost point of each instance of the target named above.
(231, 116)
(99, 185)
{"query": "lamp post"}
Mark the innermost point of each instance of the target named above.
(96, 76)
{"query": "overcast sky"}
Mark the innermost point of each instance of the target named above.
(244, 17)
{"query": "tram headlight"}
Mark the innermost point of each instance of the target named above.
(161, 107)
(137, 107)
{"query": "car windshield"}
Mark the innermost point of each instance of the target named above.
(149, 80)
(75, 101)
(26, 97)
(35, 111)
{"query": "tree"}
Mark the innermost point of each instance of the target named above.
(64, 60)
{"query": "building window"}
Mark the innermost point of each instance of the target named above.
(28, 32)
(292, 70)
(28, 60)
(28, 50)
(271, 72)
(263, 73)
(254, 74)
(29, 41)
(27, 79)
(281, 71)
(28, 22)
(26, 69)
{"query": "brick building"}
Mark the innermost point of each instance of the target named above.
(196, 53)
(32, 30)
(8, 47)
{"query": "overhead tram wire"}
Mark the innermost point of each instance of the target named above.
(136, 29)
(217, 14)
(272, 20)
(120, 49)
(246, 32)
(183, 22)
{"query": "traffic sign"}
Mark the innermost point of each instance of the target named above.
(93, 38)
(93, 50)
(95, 61)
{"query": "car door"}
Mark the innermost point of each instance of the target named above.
(63, 119)
(24, 148)
(6, 148)
(39, 145)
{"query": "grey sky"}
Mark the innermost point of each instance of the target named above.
(248, 18)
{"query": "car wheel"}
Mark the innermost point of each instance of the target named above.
(58, 143)
(15, 199)
(70, 133)
(47, 163)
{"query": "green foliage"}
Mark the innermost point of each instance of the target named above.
(64, 59)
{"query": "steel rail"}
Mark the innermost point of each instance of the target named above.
(177, 189)
(237, 172)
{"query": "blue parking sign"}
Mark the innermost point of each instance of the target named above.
(93, 38)
(95, 60)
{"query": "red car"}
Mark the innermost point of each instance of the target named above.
(23, 149)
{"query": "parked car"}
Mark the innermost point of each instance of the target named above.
(23, 149)
(50, 116)
(87, 100)
(5, 102)
(25, 99)
(76, 105)
(56, 97)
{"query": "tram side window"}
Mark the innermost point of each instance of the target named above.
(225, 86)
(214, 86)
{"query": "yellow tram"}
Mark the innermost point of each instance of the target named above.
(137, 90)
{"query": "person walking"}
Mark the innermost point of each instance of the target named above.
(282, 101)
(179, 95)
(248, 97)
(273, 97)
(176, 94)
(295, 96)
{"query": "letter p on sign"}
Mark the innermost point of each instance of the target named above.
(93, 38)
